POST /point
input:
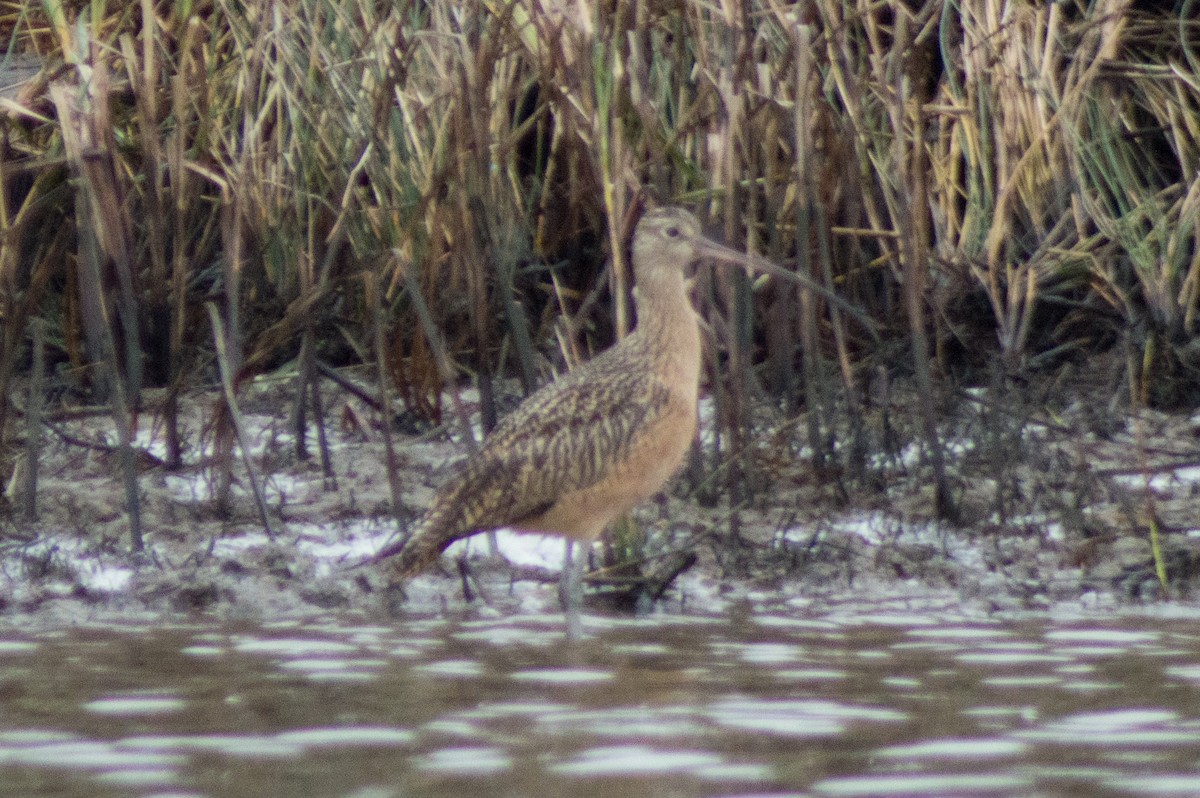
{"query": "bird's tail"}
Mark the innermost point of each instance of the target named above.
(432, 535)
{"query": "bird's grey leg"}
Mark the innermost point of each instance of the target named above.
(571, 588)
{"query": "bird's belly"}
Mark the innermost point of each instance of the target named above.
(652, 459)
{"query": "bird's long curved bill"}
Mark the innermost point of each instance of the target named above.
(710, 250)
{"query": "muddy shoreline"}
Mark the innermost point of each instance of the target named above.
(1055, 517)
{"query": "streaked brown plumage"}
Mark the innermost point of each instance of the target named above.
(600, 440)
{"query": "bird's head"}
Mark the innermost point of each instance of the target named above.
(668, 240)
(672, 239)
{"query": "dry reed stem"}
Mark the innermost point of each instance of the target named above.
(225, 363)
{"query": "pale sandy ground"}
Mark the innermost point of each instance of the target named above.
(1055, 518)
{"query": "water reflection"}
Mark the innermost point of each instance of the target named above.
(832, 706)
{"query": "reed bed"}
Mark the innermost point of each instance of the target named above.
(446, 191)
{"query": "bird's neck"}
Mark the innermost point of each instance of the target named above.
(668, 328)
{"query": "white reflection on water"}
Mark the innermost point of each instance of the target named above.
(340, 736)
(626, 760)
(1189, 672)
(796, 718)
(293, 647)
(1023, 681)
(334, 668)
(809, 675)
(1123, 637)
(960, 633)
(466, 761)
(87, 755)
(564, 676)
(16, 647)
(452, 668)
(507, 709)
(135, 705)
(1162, 784)
(1121, 728)
(975, 748)
(628, 722)
(772, 653)
(924, 785)
(1010, 658)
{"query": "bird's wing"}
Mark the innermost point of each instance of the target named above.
(563, 438)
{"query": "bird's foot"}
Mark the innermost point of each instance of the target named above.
(392, 599)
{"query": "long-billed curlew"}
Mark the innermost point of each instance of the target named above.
(598, 441)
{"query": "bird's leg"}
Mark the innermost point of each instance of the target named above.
(570, 589)
(464, 574)
(393, 599)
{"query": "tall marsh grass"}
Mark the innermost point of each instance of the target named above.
(994, 181)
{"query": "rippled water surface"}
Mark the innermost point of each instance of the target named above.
(891, 704)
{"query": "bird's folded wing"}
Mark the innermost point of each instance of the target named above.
(564, 438)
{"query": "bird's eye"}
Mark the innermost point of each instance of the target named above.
(672, 232)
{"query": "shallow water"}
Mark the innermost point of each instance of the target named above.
(740, 705)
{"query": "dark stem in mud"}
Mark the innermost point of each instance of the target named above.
(306, 375)
(375, 308)
(330, 477)
(33, 417)
(856, 454)
(235, 415)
